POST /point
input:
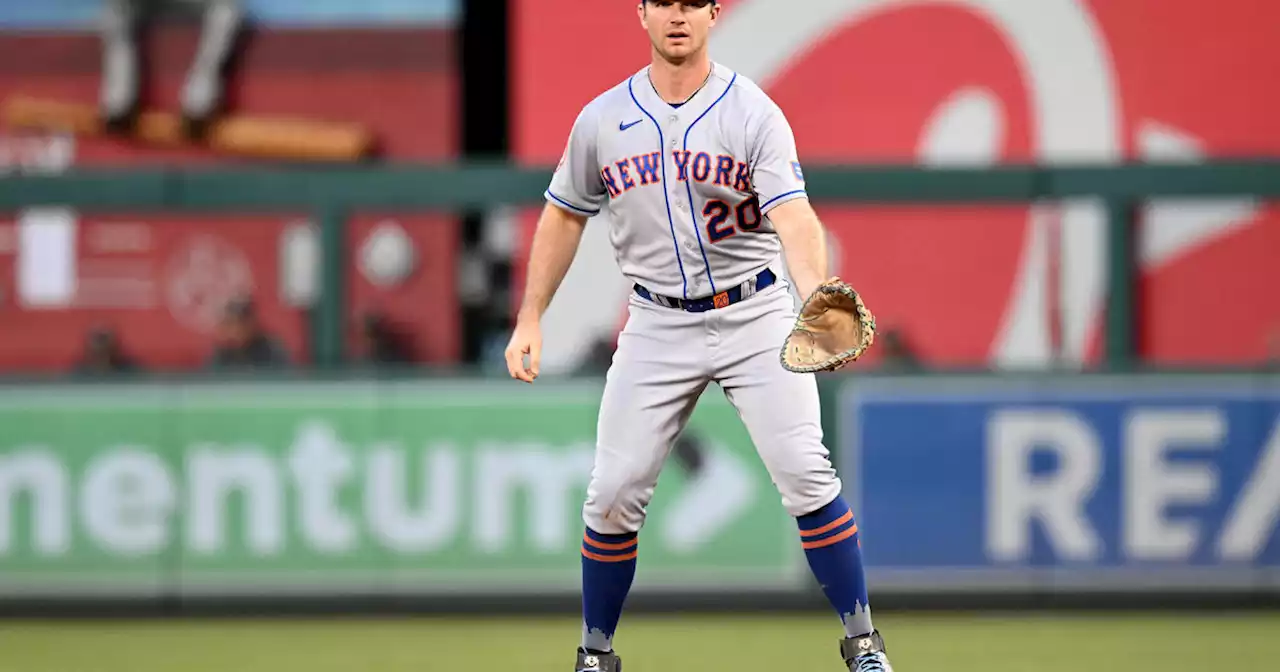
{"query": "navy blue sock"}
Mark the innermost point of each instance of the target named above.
(830, 539)
(608, 568)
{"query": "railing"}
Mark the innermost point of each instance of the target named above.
(332, 192)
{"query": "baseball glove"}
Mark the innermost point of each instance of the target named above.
(833, 329)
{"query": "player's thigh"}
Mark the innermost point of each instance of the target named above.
(782, 412)
(782, 416)
(649, 393)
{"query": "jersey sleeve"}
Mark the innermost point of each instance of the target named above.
(776, 174)
(576, 185)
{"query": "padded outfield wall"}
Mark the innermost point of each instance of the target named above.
(406, 493)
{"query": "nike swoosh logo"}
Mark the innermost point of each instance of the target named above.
(623, 127)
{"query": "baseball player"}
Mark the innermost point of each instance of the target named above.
(697, 169)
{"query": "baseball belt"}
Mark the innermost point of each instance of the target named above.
(722, 299)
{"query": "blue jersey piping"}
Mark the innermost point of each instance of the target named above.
(670, 221)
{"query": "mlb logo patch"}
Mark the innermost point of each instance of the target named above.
(795, 168)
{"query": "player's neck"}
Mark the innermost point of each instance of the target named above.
(677, 82)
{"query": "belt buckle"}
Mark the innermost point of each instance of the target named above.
(720, 300)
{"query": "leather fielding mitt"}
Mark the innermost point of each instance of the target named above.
(833, 328)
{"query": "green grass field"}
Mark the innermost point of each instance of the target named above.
(1165, 642)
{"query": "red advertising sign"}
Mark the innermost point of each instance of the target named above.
(162, 281)
(978, 82)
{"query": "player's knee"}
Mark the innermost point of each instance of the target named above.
(806, 491)
(615, 504)
(619, 515)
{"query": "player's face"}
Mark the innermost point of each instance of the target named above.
(678, 30)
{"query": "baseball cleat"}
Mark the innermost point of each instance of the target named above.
(593, 661)
(865, 653)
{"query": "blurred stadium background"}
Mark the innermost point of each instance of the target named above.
(258, 261)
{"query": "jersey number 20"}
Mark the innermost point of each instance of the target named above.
(746, 216)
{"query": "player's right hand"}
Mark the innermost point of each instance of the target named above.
(526, 340)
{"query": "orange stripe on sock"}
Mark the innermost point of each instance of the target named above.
(848, 516)
(610, 558)
(607, 546)
(823, 543)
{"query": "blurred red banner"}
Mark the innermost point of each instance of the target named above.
(978, 82)
(161, 282)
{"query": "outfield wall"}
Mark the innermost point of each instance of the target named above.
(465, 494)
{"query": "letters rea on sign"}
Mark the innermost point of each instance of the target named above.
(1152, 482)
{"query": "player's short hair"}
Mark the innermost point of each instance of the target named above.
(709, 3)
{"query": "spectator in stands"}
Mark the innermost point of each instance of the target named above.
(380, 343)
(103, 354)
(244, 343)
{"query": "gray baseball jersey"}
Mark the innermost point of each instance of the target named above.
(688, 188)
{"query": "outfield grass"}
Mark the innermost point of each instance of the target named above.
(1166, 642)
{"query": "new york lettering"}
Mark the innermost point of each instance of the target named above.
(646, 169)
